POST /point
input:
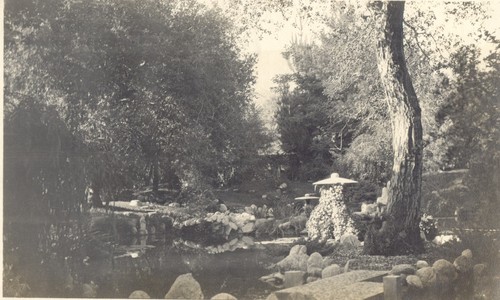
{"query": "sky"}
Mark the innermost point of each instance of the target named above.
(270, 63)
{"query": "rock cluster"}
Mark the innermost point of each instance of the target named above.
(443, 277)
(243, 242)
(226, 224)
(296, 260)
(298, 268)
(221, 224)
(185, 287)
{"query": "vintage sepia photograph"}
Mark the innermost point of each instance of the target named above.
(251, 149)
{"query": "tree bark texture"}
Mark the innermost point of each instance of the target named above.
(398, 231)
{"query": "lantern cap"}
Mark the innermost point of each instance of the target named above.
(334, 179)
(308, 197)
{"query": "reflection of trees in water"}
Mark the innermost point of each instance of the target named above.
(155, 270)
(47, 235)
(44, 195)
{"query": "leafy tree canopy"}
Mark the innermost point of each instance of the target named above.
(158, 89)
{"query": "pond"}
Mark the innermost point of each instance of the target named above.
(116, 254)
(153, 265)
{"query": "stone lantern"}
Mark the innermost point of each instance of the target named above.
(330, 217)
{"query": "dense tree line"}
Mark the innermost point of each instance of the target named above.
(454, 88)
(159, 91)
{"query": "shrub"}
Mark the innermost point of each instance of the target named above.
(259, 212)
(283, 207)
(428, 227)
(269, 229)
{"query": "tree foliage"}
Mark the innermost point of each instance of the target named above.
(158, 89)
(354, 80)
(470, 114)
(344, 62)
(301, 118)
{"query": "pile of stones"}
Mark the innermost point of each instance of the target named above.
(299, 268)
(227, 225)
(462, 277)
(184, 287)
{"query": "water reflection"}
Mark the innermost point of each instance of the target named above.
(153, 263)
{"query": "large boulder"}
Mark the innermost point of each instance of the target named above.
(223, 296)
(294, 262)
(298, 249)
(330, 271)
(248, 227)
(445, 271)
(414, 281)
(467, 253)
(463, 264)
(421, 264)
(315, 264)
(139, 295)
(185, 287)
(428, 277)
(402, 269)
(222, 208)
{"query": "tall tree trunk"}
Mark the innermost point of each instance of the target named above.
(398, 232)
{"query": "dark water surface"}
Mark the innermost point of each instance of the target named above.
(153, 270)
